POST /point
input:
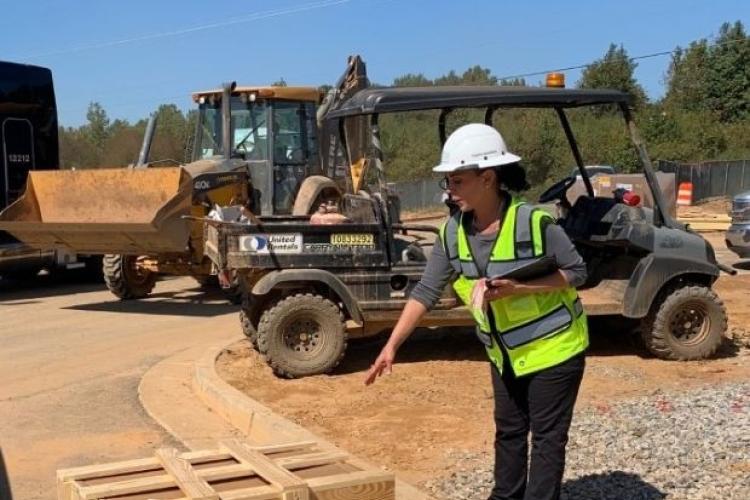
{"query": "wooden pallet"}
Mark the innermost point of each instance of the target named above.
(235, 471)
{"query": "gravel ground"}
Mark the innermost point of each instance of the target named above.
(689, 445)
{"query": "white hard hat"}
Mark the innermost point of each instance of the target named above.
(475, 145)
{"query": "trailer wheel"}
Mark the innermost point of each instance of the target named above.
(248, 328)
(302, 335)
(685, 324)
(124, 279)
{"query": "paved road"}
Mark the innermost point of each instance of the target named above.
(71, 359)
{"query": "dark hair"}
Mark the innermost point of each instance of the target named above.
(511, 177)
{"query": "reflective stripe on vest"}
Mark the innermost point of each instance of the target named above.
(558, 319)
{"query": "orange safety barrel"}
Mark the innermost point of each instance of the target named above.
(685, 194)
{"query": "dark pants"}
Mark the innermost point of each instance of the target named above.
(543, 404)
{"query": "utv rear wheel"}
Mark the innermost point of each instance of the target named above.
(688, 323)
(124, 279)
(302, 335)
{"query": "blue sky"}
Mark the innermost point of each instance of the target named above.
(132, 56)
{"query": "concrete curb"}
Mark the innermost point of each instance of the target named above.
(259, 423)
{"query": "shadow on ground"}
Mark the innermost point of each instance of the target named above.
(48, 285)
(614, 485)
(190, 302)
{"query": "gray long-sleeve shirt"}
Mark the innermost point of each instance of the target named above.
(439, 272)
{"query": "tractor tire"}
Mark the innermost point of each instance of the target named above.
(685, 323)
(302, 335)
(124, 280)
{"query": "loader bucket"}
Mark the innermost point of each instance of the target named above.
(103, 211)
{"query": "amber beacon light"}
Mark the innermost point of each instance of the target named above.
(556, 80)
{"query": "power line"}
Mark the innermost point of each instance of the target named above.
(635, 58)
(255, 16)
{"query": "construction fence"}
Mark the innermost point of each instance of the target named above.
(711, 178)
(418, 195)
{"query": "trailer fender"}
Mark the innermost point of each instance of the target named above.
(655, 271)
(273, 279)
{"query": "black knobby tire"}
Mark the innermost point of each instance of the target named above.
(686, 323)
(248, 328)
(302, 335)
(124, 280)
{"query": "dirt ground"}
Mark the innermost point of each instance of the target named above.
(438, 401)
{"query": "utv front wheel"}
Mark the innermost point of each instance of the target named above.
(302, 335)
(125, 279)
(689, 323)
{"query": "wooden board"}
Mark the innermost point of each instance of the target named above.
(235, 471)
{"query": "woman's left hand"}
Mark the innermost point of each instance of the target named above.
(499, 288)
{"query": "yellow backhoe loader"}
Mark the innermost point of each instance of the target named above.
(256, 147)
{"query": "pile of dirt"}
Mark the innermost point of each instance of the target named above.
(710, 207)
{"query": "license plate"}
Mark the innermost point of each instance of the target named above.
(350, 240)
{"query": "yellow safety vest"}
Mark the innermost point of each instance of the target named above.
(536, 330)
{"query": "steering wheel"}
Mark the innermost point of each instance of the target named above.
(557, 190)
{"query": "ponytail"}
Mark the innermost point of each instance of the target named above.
(512, 177)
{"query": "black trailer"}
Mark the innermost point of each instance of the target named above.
(28, 141)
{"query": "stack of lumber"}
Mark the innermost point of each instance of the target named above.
(234, 471)
(702, 220)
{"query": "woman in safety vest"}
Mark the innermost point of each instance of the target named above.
(535, 331)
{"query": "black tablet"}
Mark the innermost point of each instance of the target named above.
(532, 270)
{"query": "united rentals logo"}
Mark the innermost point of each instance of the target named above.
(271, 243)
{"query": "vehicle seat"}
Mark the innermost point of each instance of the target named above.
(584, 219)
(359, 208)
(408, 251)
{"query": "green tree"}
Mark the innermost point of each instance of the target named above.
(450, 79)
(614, 71)
(728, 77)
(712, 77)
(477, 75)
(412, 80)
(513, 82)
(98, 125)
(279, 83)
(687, 77)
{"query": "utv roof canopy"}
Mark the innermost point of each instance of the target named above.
(394, 100)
